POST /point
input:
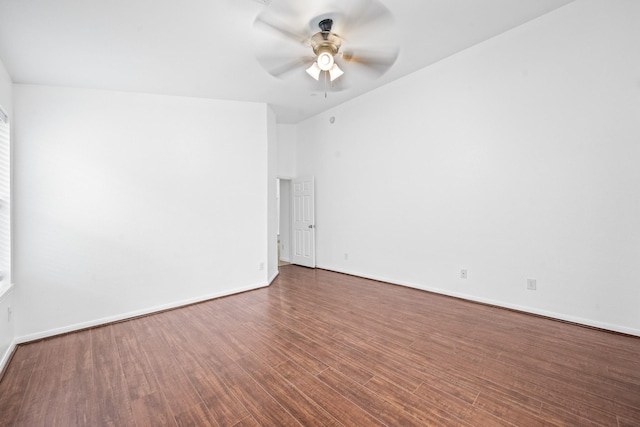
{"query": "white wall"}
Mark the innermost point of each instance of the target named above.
(285, 220)
(126, 203)
(286, 164)
(287, 139)
(6, 291)
(515, 159)
(272, 192)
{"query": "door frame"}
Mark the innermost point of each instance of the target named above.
(289, 225)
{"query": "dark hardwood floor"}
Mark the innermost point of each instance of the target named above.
(321, 348)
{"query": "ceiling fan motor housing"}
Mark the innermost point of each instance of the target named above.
(325, 42)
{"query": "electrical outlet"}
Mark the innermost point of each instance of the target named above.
(463, 273)
(262, 266)
(9, 314)
(346, 256)
(531, 284)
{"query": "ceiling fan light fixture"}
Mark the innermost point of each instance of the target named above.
(314, 71)
(325, 61)
(335, 72)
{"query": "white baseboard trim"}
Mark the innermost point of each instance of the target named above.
(4, 360)
(273, 277)
(503, 304)
(132, 314)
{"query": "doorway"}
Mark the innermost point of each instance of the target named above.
(284, 221)
(296, 221)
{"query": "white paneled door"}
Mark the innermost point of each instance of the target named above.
(304, 231)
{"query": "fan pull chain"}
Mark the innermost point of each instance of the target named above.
(325, 84)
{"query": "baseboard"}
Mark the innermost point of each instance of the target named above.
(6, 358)
(5, 292)
(133, 314)
(549, 314)
(273, 277)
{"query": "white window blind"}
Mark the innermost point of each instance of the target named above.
(5, 200)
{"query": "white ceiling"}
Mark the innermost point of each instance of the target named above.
(208, 48)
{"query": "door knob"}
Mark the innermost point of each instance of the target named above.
(310, 226)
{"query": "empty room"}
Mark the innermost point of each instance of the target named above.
(285, 213)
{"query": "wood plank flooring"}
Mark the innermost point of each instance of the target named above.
(321, 348)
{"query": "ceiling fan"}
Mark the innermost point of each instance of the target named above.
(326, 46)
(326, 55)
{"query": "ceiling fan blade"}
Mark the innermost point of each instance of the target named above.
(279, 66)
(300, 37)
(364, 14)
(378, 61)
